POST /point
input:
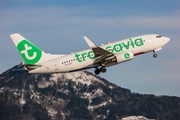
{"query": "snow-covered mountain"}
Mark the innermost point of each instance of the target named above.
(79, 95)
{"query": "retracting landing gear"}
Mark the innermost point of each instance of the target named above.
(97, 71)
(102, 69)
(154, 55)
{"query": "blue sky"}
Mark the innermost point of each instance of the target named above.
(59, 26)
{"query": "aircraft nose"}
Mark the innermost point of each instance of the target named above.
(166, 39)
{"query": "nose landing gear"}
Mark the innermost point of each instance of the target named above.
(155, 55)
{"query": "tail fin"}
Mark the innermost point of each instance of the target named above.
(30, 53)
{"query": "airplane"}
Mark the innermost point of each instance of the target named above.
(98, 57)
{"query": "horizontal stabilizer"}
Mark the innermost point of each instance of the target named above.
(30, 67)
(19, 69)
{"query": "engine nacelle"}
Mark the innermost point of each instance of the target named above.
(123, 57)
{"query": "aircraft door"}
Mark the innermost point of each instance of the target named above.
(150, 40)
(149, 44)
(56, 66)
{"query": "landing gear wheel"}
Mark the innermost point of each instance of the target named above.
(155, 55)
(103, 69)
(97, 71)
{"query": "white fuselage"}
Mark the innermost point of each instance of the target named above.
(84, 59)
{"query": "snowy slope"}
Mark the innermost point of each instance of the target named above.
(78, 95)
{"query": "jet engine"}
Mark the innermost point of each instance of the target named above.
(123, 57)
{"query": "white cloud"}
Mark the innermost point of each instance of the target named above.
(57, 16)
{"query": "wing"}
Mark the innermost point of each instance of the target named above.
(101, 55)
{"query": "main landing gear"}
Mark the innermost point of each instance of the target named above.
(154, 55)
(102, 69)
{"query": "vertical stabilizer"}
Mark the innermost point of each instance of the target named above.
(30, 53)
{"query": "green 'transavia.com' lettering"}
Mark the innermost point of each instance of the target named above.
(114, 49)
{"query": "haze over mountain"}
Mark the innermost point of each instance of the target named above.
(79, 95)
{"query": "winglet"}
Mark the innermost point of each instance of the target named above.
(89, 42)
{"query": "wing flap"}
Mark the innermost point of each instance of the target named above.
(100, 51)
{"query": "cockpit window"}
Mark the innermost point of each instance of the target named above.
(158, 36)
